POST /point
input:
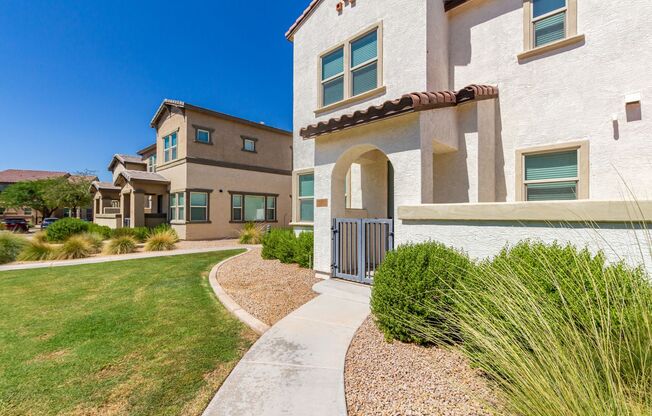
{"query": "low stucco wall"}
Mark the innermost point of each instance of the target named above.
(111, 221)
(484, 239)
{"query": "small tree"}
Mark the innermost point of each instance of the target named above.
(32, 194)
(73, 192)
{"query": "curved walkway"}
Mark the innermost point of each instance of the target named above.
(121, 257)
(297, 366)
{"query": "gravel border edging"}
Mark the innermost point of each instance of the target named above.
(228, 302)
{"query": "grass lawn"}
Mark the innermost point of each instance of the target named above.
(131, 337)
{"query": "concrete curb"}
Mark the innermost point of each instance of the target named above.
(121, 257)
(245, 317)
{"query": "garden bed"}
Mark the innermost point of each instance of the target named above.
(405, 379)
(268, 289)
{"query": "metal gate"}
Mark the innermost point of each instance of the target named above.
(359, 246)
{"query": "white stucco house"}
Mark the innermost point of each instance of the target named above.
(477, 123)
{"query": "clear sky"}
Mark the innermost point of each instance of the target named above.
(80, 80)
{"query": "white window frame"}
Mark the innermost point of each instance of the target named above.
(583, 163)
(169, 152)
(148, 201)
(151, 163)
(205, 219)
(347, 70)
(202, 131)
(174, 209)
(304, 198)
(251, 140)
(570, 24)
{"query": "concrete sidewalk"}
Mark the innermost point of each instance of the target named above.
(297, 367)
(121, 257)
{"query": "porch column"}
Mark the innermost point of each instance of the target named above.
(487, 150)
(123, 199)
(137, 209)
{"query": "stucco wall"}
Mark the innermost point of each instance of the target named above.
(169, 123)
(484, 239)
(566, 95)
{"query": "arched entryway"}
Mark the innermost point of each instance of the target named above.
(362, 186)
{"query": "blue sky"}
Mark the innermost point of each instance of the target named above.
(80, 80)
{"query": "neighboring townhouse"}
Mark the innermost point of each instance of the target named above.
(475, 123)
(207, 175)
(11, 176)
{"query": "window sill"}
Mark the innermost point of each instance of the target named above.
(358, 98)
(178, 222)
(551, 47)
(200, 142)
(197, 222)
(255, 222)
(302, 224)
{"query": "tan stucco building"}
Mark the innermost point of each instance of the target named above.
(207, 174)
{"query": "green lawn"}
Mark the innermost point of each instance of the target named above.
(132, 337)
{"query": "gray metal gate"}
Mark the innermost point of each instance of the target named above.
(359, 246)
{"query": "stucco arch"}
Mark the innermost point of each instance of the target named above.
(369, 172)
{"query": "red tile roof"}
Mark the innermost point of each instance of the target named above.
(20, 175)
(448, 5)
(408, 103)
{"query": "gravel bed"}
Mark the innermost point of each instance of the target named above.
(268, 289)
(384, 379)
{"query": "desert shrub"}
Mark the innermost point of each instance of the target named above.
(304, 249)
(10, 246)
(559, 330)
(2, 227)
(121, 245)
(75, 247)
(37, 250)
(64, 228)
(41, 237)
(279, 243)
(413, 292)
(250, 234)
(102, 230)
(95, 240)
(164, 240)
(140, 234)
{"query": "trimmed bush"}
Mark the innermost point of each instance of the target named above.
(121, 245)
(279, 243)
(250, 234)
(76, 247)
(413, 290)
(164, 240)
(64, 228)
(102, 230)
(10, 246)
(304, 249)
(37, 250)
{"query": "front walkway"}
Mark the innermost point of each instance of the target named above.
(297, 367)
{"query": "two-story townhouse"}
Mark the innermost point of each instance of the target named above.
(207, 174)
(477, 123)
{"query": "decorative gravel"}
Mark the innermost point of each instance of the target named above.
(384, 379)
(268, 289)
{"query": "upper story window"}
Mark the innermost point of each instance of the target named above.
(203, 136)
(350, 69)
(549, 22)
(555, 173)
(151, 163)
(249, 144)
(170, 147)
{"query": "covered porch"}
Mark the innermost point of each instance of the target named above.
(143, 199)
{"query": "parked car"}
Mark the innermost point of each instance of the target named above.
(47, 221)
(17, 225)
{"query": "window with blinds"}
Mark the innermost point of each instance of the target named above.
(551, 176)
(351, 69)
(549, 21)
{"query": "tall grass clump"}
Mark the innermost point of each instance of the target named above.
(95, 240)
(559, 330)
(250, 234)
(413, 293)
(121, 245)
(10, 246)
(75, 247)
(37, 250)
(140, 234)
(163, 240)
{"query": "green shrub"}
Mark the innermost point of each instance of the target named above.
(558, 330)
(140, 234)
(279, 243)
(304, 249)
(102, 230)
(121, 245)
(64, 228)
(10, 246)
(250, 234)
(37, 250)
(75, 247)
(164, 240)
(413, 290)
